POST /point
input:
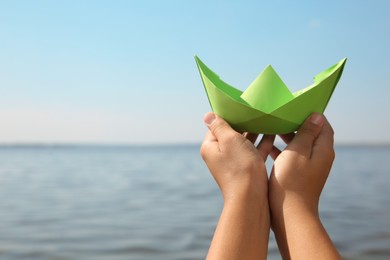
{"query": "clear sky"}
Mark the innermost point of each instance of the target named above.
(124, 71)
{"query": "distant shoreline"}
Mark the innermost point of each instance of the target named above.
(154, 145)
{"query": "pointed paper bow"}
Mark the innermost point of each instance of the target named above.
(267, 106)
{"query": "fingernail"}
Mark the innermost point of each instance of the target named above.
(209, 118)
(317, 119)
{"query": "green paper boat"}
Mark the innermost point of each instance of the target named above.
(267, 106)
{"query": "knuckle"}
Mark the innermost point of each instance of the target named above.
(204, 151)
(330, 133)
(310, 131)
(327, 155)
(332, 154)
(329, 128)
(328, 151)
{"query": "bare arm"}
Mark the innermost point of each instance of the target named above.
(295, 185)
(239, 169)
(242, 231)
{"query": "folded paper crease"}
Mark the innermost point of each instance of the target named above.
(267, 106)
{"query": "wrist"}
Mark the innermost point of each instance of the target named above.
(246, 193)
(301, 235)
(294, 213)
(248, 205)
(293, 204)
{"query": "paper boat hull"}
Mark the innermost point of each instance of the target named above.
(226, 102)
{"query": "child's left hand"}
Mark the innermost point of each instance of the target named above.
(236, 164)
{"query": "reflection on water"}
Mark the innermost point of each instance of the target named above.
(161, 203)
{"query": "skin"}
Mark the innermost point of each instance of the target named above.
(239, 170)
(296, 182)
(289, 200)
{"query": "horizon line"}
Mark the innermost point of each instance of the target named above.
(162, 144)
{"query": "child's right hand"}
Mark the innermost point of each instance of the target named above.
(297, 179)
(301, 170)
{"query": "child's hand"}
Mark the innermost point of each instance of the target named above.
(239, 169)
(297, 179)
(301, 170)
(236, 164)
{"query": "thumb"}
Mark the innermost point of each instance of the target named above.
(220, 129)
(309, 131)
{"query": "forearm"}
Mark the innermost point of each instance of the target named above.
(242, 231)
(301, 235)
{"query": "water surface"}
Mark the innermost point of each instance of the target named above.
(161, 202)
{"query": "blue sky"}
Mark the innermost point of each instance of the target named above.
(124, 71)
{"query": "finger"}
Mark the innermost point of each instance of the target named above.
(209, 145)
(209, 137)
(274, 152)
(265, 146)
(287, 138)
(323, 145)
(251, 136)
(219, 128)
(307, 134)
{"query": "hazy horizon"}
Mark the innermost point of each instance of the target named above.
(162, 144)
(124, 71)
